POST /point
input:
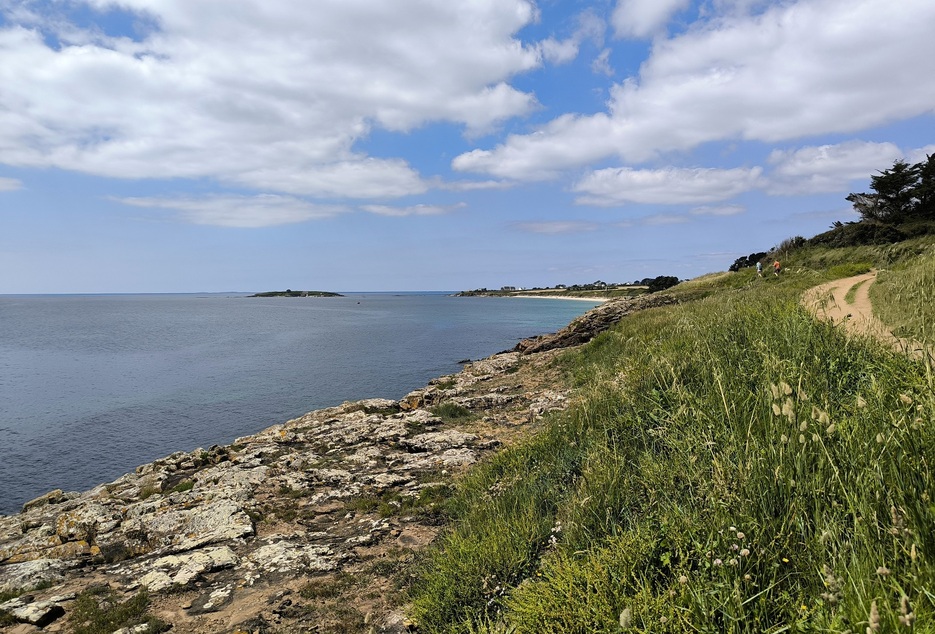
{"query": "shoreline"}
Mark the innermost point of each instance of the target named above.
(314, 522)
(598, 300)
(343, 493)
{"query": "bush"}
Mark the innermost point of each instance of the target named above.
(855, 234)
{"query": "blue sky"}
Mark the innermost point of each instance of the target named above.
(182, 146)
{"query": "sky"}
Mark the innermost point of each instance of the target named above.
(356, 145)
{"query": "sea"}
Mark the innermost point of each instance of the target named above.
(91, 386)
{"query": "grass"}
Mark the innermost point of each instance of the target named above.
(97, 611)
(450, 411)
(851, 296)
(910, 285)
(732, 465)
(431, 502)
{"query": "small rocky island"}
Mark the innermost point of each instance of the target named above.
(308, 525)
(291, 293)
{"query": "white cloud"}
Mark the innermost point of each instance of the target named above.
(601, 63)
(718, 210)
(556, 227)
(256, 92)
(589, 27)
(559, 51)
(413, 210)
(642, 18)
(784, 73)
(240, 211)
(10, 184)
(664, 219)
(469, 186)
(671, 186)
(921, 154)
(828, 168)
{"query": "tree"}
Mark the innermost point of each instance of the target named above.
(895, 198)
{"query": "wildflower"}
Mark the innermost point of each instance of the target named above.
(733, 562)
(774, 390)
(784, 439)
(830, 429)
(801, 439)
(734, 547)
(776, 409)
(683, 580)
(744, 552)
(913, 554)
(784, 560)
(664, 620)
(815, 412)
(861, 403)
(874, 619)
(625, 617)
(906, 399)
(803, 426)
(883, 571)
(732, 529)
(786, 388)
(815, 438)
(718, 562)
(880, 438)
(740, 535)
(788, 409)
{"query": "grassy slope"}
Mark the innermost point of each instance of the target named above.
(732, 466)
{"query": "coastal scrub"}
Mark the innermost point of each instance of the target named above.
(733, 465)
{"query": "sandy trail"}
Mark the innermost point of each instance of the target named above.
(829, 301)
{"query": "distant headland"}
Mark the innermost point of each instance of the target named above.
(291, 293)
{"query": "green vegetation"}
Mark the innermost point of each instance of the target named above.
(97, 611)
(291, 293)
(851, 296)
(907, 285)
(732, 465)
(449, 411)
(431, 502)
(184, 485)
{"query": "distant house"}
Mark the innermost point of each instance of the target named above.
(507, 288)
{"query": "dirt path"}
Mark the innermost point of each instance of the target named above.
(831, 301)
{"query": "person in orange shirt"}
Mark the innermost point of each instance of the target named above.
(776, 268)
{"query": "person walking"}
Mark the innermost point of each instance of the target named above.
(759, 269)
(776, 268)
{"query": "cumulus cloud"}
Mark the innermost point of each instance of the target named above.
(240, 211)
(642, 18)
(921, 154)
(828, 168)
(10, 184)
(771, 76)
(670, 186)
(262, 93)
(557, 227)
(589, 27)
(412, 210)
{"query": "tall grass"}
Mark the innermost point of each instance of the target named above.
(904, 299)
(732, 466)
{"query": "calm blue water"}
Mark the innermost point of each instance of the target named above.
(93, 386)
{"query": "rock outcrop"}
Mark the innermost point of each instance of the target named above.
(300, 527)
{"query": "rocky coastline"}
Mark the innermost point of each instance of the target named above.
(304, 526)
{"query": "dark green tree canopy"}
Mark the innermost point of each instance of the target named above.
(901, 193)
